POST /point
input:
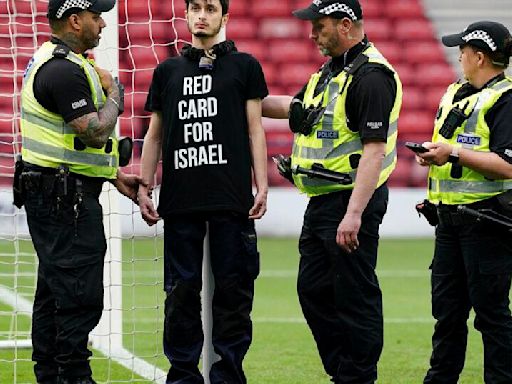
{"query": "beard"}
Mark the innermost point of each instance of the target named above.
(203, 34)
(330, 46)
(90, 39)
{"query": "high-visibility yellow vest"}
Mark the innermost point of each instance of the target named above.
(331, 143)
(47, 140)
(473, 134)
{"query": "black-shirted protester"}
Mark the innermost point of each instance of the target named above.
(344, 120)
(470, 160)
(69, 109)
(206, 123)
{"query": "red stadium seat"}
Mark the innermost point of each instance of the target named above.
(270, 8)
(424, 52)
(372, 9)
(391, 50)
(167, 10)
(271, 72)
(406, 73)
(137, 101)
(278, 141)
(404, 9)
(417, 137)
(418, 175)
(433, 97)
(6, 126)
(401, 175)
(282, 28)
(414, 30)
(256, 48)
(242, 29)
(25, 8)
(435, 74)
(129, 9)
(3, 8)
(142, 79)
(412, 99)
(179, 29)
(378, 29)
(415, 122)
(238, 9)
(289, 51)
(297, 74)
(145, 57)
(144, 33)
(297, 4)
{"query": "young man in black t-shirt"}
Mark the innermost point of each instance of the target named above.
(206, 124)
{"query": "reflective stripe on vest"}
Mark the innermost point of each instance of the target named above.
(315, 182)
(450, 186)
(340, 150)
(79, 157)
(474, 134)
(336, 143)
(47, 140)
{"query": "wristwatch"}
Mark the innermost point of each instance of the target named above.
(454, 156)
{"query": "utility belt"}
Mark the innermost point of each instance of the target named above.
(60, 184)
(454, 216)
(458, 214)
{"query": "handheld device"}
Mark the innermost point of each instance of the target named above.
(416, 147)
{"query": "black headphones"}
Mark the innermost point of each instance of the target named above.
(220, 49)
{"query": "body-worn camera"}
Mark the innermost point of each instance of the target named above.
(456, 117)
(303, 120)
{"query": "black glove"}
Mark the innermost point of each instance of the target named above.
(283, 165)
(121, 95)
(429, 211)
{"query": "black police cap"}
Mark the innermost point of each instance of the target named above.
(57, 8)
(337, 9)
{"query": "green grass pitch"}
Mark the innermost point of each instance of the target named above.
(283, 351)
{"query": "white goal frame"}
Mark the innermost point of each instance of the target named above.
(107, 337)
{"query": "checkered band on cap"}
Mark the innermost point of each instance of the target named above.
(68, 4)
(337, 7)
(481, 35)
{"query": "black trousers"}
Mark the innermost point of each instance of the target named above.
(471, 269)
(339, 292)
(69, 296)
(235, 266)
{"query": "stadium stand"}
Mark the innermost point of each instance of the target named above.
(401, 29)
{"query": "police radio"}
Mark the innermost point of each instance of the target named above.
(303, 120)
(455, 118)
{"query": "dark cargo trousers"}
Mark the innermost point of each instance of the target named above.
(69, 296)
(339, 292)
(471, 269)
(235, 266)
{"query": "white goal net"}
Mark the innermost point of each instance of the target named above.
(127, 343)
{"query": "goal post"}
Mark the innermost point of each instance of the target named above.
(130, 330)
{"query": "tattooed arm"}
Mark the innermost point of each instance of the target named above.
(95, 128)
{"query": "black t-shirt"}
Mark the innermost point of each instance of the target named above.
(206, 155)
(370, 95)
(498, 118)
(61, 87)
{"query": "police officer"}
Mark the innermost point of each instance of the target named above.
(206, 122)
(69, 110)
(345, 120)
(470, 161)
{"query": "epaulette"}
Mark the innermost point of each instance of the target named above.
(61, 51)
